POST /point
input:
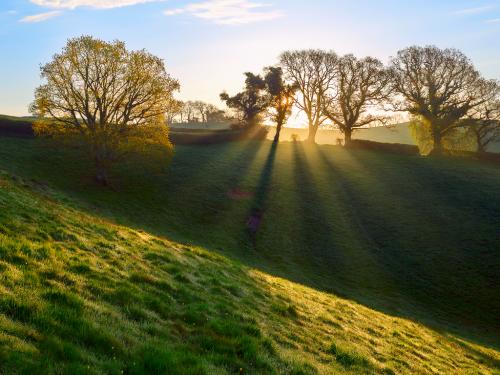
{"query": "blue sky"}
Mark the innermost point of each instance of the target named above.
(208, 44)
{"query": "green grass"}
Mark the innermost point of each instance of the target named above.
(364, 262)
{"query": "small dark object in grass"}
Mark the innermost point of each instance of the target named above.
(254, 221)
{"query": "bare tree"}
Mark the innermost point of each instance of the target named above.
(189, 111)
(201, 108)
(441, 86)
(214, 114)
(361, 86)
(484, 124)
(107, 95)
(313, 72)
(206, 111)
(174, 111)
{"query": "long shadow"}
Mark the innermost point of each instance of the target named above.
(203, 202)
(439, 285)
(323, 262)
(317, 231)
(333, 234)
(259, 202)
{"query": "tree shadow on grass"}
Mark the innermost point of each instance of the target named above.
(321, 243)
(261, 195)
(444, 286)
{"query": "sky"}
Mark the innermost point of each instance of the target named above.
(208, 44)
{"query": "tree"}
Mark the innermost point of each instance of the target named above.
(201, 108)
(281, 97)
(361, 85)
(440, 86)
(484, 124)
(456, 139)
(189, 111)
(251, 102)
(313, 72)
(216, 115)
(208, 112)
(175, 110)
(112, 98)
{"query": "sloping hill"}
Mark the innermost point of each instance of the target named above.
(79, 294)
(392, 258)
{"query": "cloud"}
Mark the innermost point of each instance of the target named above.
(98, 4)
(174, 12)
(40, 17)
(228, 12)
(476, 10)
(494, 20)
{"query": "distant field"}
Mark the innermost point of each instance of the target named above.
(396, 134)
(399, 133)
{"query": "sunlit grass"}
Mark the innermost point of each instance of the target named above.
(159, 293)
(81, 295)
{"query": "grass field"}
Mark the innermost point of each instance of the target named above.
(363, 262)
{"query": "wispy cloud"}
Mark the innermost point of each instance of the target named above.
(98, 4)
(494, 20)
(228, 12)
(476, 10)
(40, 17)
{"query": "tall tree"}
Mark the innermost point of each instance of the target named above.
(441, 86)
(361, 86)
(251, 103)
(484, 124)
(281, 95)
(110, 97)
(313, 72)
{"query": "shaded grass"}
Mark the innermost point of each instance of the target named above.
(110, 299)
(398, 234)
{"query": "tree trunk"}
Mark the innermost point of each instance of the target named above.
(347, 137)
(101, 175)
(481, 147)
(438, 145)
(311, 138)
(278, 132)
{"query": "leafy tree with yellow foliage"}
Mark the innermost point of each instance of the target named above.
(112, 98)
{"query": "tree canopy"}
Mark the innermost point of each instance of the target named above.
(113, 98)
(360, 86)
(281, 97)
(441, 86)
(251, 103)
(313, 72)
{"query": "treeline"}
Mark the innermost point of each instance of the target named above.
(117, 101)
(447, 99)
(195, 112)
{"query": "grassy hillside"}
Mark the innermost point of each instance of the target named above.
(392, 262)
